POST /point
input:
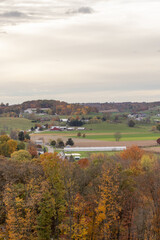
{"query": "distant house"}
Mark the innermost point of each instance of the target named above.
(80, 128)
(55, 128)
(138, 117)
(64, 120)
(39, 142)
(70, 129)
(37, 129)
(30, 110)
(63, 128)
(58, 128)
(34, 110)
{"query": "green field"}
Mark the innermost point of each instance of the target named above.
(8, 123)
(116, 127)
(101, 131)
(125, 137)
(106, 127)
(105, 131)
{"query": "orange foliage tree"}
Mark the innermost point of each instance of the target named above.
(133, 154)
(83, 163)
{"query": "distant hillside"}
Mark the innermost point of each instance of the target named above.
(63, 108)
(124, 106)
(56, 107)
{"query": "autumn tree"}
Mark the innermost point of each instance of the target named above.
(32, 150)
(132, 155)
(108, 204)
(52, 167)
(21, 146)
(83, 163)
(7, 146)
(20, 216)
(14, 134)
(21, 156)
(46, 208)
(12, 146)
(79, 228)
(78, 134)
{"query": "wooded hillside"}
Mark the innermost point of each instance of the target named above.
(124, 106)
(57, 107)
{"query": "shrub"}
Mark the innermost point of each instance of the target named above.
(131, 123)
(70, 142)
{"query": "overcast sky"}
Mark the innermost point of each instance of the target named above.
(79, 51)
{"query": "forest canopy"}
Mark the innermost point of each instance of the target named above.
(102, 197)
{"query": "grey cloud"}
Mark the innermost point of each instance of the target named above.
(85, 10)
(32, 10)
(13, 14)
(82, 10)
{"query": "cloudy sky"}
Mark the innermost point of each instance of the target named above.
(79, 51)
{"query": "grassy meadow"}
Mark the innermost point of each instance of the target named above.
(106, 131)
(8, 123)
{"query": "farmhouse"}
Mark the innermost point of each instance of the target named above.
(64, 120)
(39, 142)
(55, 128)
(63, 128)
(30, 110)
(34, 110)
(80, 128)
(70, 129)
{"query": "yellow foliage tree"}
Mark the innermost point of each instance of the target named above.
(148, 162)
(12, 146)
(79, 228)
(107, 206)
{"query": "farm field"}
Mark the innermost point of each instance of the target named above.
(8, 123)
(105, 132)
(106, 127)
(124, 136)
(82, 142)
